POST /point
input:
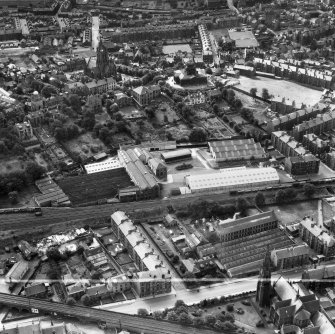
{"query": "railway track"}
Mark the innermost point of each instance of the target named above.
(52, 216)
(114, 319)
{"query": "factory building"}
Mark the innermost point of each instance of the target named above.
(232, 179)
(147, 185)
(236, 149)
(242, 227)
(175, 156)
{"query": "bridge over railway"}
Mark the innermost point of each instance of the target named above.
(114, 319)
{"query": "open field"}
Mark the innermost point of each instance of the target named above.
(8, 165)
(281, 88)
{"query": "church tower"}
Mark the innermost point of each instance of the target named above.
(264, 288)
(105, 66)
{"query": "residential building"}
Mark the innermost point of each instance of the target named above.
(317, 279)
(122, 100)
(101, 86)
(36, 101)
(330, 160)
(36, 118)
(154, 278)
(321, 123)
(119, 284)
(290, 257)
(288, 117)
(17, 272)
(318, 239)
(26, 249)
(307, 164)
(76, 88)
(24, 131)
(299, 161)
(143, 95)
(152, 283)
(314, 144)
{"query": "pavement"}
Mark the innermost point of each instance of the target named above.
(231, 287)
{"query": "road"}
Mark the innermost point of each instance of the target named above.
(232, 287)
(114, 319)
(231, 6)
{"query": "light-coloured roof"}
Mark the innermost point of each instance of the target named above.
(108, 164)
(232, 177)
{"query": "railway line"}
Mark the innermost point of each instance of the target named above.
(52, 216)
(111, 318)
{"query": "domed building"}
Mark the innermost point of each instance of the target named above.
(189, 76)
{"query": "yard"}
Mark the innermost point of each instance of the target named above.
(85, 145)
(9, 165)
(289, 213)
(281, 89)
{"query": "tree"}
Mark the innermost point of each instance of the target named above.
(172, 316)
(230, 96)
(260, 199)
(13, 195)
(142, 312)
(70, 301)
(280, 196)
(179, 303)
(209, 71)
(181, 309)
(290, 193)
(86, 300)
(241, 205)
(230, 308)
(34, 170)
(309, 189)
(53, 253)
(175, 259)
(158, 315)
(265, 94)
(253, 92)
(198, 322)
(210, 320)
(185, 318)
(198, 135)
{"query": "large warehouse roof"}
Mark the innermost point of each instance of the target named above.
(232, 177)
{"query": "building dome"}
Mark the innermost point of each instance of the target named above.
(35, 93)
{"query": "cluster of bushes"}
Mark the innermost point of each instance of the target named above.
(186, 315)
(16, 181)
(208, 209)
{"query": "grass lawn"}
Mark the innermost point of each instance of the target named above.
(281, 88)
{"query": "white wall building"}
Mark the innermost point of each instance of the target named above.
(232, 179)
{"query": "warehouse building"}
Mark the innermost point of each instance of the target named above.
(51, 193)
(147, 185)
(247, 226)
(175, 156)
(233, 179)
(236, 149)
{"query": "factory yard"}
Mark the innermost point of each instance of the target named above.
(280, 89)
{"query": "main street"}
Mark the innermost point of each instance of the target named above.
(227, 288)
